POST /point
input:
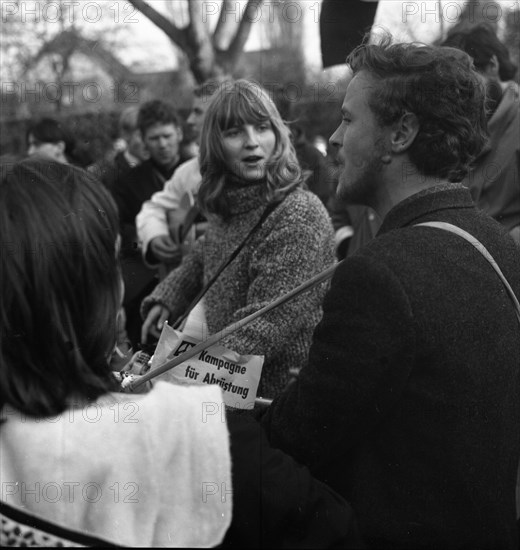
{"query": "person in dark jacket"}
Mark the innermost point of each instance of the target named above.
(161, 130)
(117, 166)
(494, 180)
(409, 405)
(313, 164)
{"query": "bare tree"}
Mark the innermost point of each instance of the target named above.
(46, 40)
(209, 54)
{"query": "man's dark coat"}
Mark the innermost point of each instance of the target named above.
(410, 403)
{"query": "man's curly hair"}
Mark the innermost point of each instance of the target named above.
(157, 112)
(441, 88)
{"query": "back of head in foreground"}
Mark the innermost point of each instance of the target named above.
(61, 287)
(437, 86)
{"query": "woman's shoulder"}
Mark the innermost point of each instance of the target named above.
(167, 400)
(303, 198)
(304, 205)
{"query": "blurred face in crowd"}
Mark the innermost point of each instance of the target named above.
(248, 149)
(360, 141)
(162, 142)
(136, 146)
(491, 78)
(196, 118)
(48, 150)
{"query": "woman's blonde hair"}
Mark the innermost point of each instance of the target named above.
(236, 103)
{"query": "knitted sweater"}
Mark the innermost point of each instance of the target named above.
(294, 243)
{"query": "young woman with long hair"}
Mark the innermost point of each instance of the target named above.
(248, 165)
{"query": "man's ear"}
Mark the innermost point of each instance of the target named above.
(60, 146)
(179, 133)
(404, 132)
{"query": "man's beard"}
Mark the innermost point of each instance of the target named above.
(360, 186)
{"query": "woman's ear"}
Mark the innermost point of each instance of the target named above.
(404, 132)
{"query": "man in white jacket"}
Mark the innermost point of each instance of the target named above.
(160, 217)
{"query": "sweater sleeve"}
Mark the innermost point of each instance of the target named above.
(298, 246)
(178, 289)
(360, 359)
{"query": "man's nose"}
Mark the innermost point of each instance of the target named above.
(336, 139)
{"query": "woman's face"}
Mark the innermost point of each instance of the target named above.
(248, 149)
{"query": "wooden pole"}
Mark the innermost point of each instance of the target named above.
(213, 339)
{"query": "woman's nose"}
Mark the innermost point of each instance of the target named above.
(251, 138)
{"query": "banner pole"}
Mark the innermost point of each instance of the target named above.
(136, 382)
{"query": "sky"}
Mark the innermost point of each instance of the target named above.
(422, 17)
(147, 49)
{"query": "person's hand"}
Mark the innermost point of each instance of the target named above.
(138, 364)
(165, 250)
(154, 322)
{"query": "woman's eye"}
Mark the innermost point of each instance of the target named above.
(263, 127)
(232, 132)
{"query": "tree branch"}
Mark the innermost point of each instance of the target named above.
(237, 44)
(202, 59)
(176, 35)
(226, 26)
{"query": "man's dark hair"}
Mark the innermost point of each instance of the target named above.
(440, 87)
(157, 112)
(50, 130)
(481, 43)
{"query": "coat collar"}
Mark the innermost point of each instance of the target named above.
(439, 197)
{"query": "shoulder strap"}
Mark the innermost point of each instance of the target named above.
(270, 207)
(482, 249)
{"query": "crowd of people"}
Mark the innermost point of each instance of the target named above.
(393, 391)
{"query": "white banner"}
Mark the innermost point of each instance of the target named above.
(237, 375)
